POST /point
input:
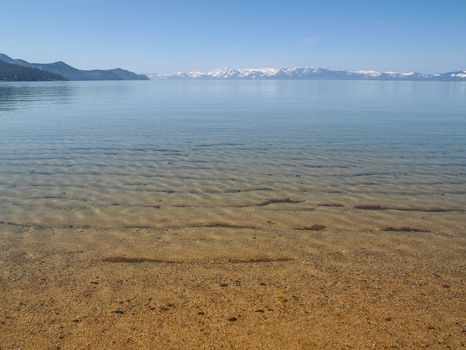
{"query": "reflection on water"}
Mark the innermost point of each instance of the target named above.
(183, 153)
(21, 95)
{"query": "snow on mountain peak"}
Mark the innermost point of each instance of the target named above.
(371, 73)
(305, 73)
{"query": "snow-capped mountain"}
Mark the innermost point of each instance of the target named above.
(307, 73)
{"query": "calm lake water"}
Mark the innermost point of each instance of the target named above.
(164, 153)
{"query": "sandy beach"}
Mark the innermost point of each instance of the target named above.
(224, 287)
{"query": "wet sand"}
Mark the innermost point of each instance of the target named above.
(221, 286)
(108, 258)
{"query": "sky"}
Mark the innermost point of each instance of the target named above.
(149, 36)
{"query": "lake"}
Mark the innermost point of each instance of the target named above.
(344, 154)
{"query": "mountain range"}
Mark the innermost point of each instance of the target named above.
(20, 70)
(307, 73)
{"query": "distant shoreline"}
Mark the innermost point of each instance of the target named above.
(231, 80)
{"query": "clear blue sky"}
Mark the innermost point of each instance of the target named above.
(171, 35)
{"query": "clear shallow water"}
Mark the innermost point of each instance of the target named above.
(169, 154)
